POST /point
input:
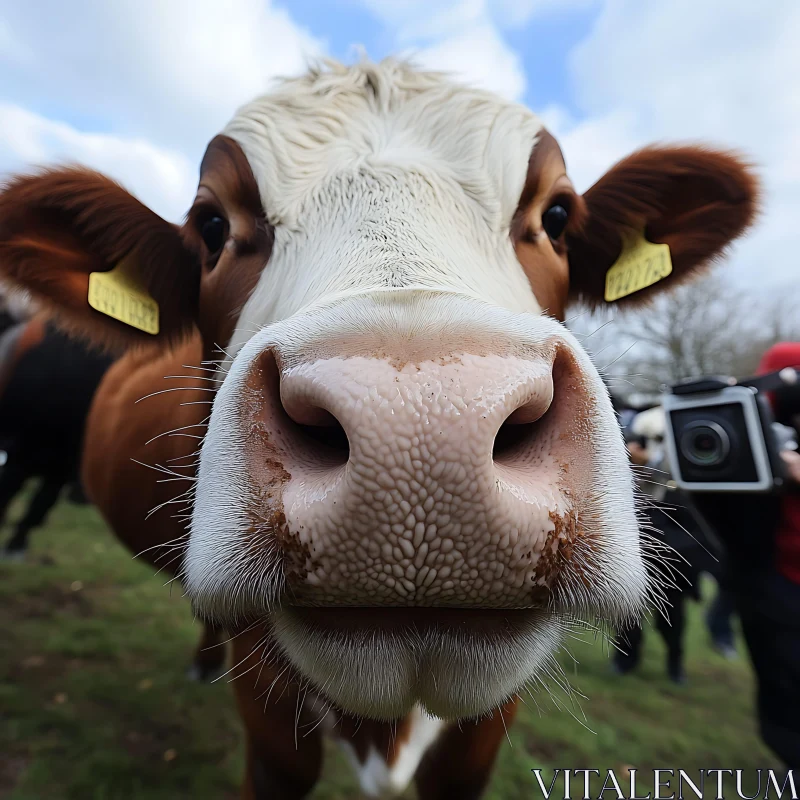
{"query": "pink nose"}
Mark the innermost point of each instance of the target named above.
(447, 482)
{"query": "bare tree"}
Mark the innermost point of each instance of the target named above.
(706, 328)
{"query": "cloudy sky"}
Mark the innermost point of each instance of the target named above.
(136, 88)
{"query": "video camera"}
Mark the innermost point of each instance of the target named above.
(721, 435)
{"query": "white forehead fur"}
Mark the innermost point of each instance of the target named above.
(380, 176)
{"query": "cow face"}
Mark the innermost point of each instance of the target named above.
(412, 470)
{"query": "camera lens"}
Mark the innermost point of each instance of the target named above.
(705, 443)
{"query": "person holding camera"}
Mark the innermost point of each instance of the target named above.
(785, 403)
(760, 532)
(792, 459)
(668, 518)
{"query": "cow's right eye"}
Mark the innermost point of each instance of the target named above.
(555, 220)
(214, 232)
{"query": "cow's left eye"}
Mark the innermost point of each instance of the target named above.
(554, 220)
(214, 233)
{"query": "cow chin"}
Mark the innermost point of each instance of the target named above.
(453, 671)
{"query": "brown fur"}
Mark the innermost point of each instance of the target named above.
(460, 764)
(122, 455)
(59, 225)
(694, 199)
(544, 261)
(284, 749)
(228, 188)
(119, 434)
(387, 738)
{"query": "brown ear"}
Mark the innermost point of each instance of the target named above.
(694, 199)
(60, 225)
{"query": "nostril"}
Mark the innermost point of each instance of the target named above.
(526, 421)
(332, 437)
(513, 435)
(299, 421)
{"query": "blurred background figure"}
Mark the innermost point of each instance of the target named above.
(686, 550)
(720, 615)
(15, 308)
(761, 535)
(47, 382)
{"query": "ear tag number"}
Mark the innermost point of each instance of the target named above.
(119, 294)
(640, 264)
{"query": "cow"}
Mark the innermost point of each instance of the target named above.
(402, 474)
(47, 382)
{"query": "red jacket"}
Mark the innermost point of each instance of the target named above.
(787, 537)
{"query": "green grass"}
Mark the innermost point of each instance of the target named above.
(94, 703)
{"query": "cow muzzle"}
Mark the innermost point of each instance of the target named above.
(448, 481)
(451, 467)
(390, 495)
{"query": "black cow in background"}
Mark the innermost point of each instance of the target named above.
(670, 518)
(47, 382)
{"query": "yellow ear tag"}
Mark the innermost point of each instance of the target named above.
(640, 264)
(119, 294)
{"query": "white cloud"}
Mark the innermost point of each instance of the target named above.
(733, 71)
(419, 18)
(457, 36)
(173, 72)
(726, 73)
(516, 13)
(593, 144)
(145, 84)
(162, 179)
(10, 48)
(477, 56)
(425, 19)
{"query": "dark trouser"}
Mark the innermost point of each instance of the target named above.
(769, 609)
(39, 506)
(670, 625)
(718, 617)
(12, 478)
